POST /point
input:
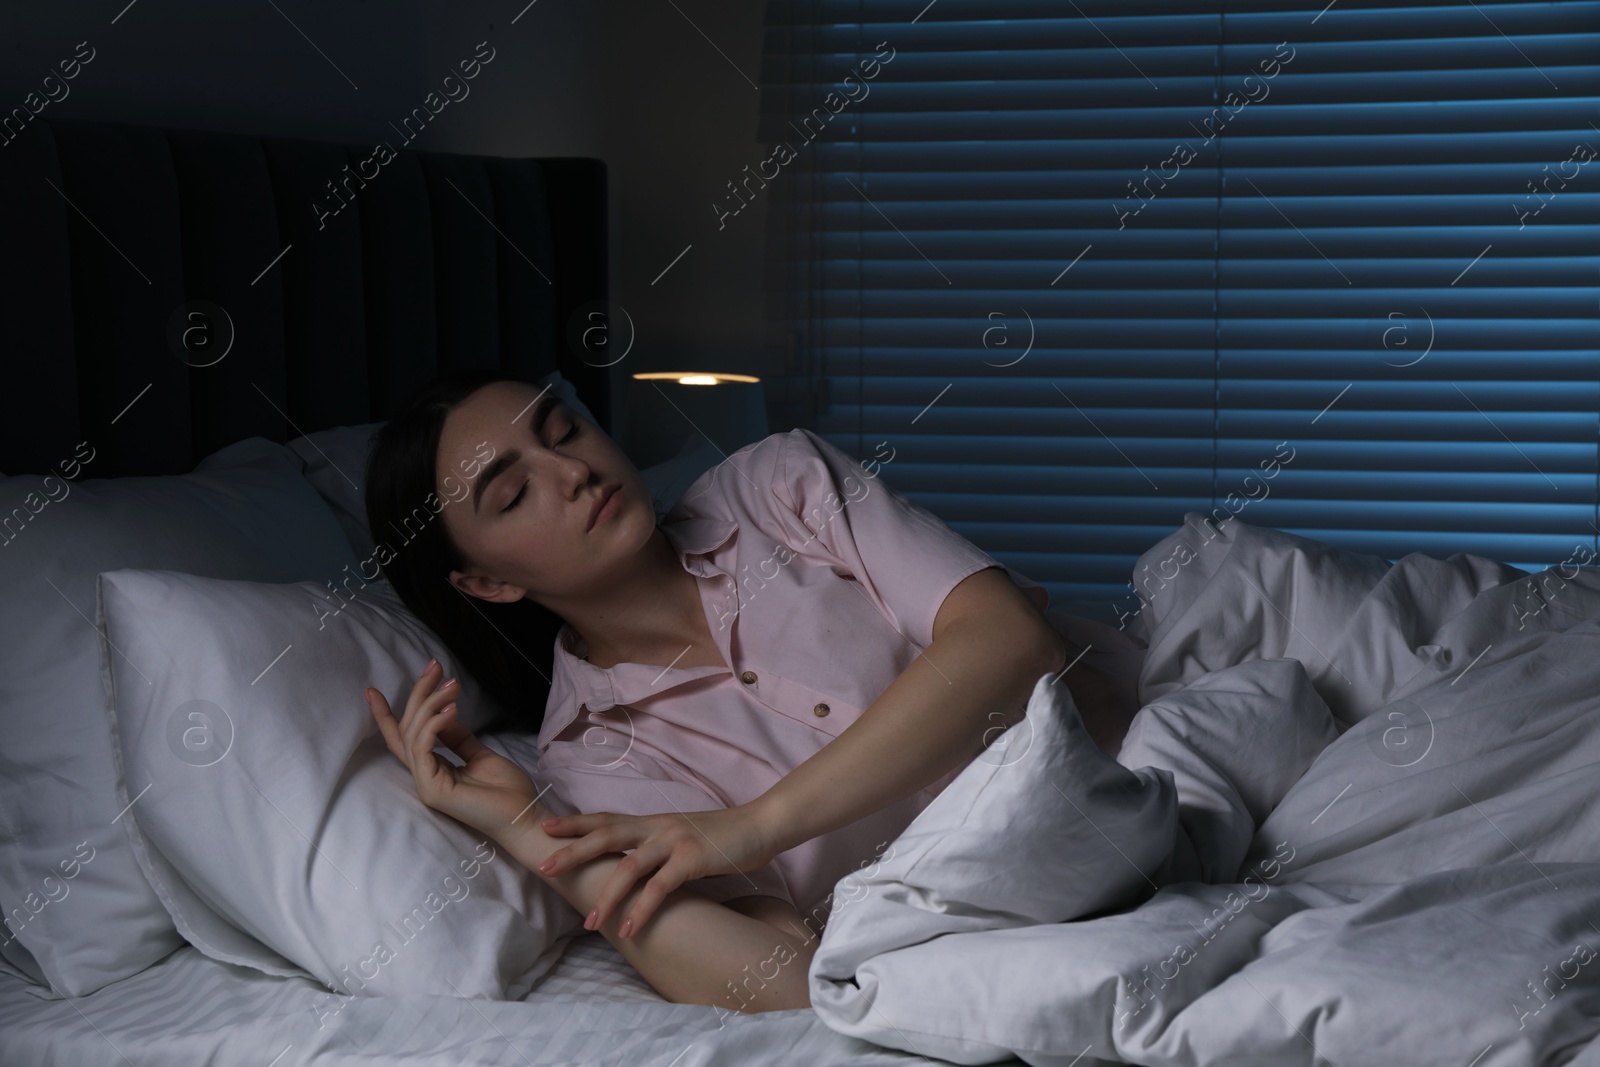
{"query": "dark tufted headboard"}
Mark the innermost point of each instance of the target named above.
(345, 275)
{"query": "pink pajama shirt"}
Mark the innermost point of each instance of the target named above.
(820, 585)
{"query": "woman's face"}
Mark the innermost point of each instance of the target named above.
(526, 519)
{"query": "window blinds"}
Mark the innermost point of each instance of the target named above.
(1078, 267)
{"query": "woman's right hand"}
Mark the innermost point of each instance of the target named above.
(489, 793)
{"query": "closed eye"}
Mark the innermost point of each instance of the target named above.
(569, 435)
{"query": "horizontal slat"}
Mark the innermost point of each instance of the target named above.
(1060, 495)
(1082, 447)
(1156, 330)
(1400, 101)
(1125, 370)
(1386, 178)
(1540, 300)
(1246, 19)
(1552, 143)
(1437, 405)
(1551, 525)
(1264, 205)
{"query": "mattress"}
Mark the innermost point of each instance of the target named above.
(592, 1008)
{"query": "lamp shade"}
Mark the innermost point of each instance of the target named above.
(666, 410)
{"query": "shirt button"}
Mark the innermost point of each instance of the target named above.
(748, 677)
(820, 710)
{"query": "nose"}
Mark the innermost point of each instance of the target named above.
(572, 474)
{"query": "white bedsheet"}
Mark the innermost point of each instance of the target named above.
(1431, 891)
(593, 1008)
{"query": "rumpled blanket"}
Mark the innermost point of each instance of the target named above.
(1355, 821)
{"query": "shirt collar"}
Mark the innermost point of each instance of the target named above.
(696, 538)
(575, 681)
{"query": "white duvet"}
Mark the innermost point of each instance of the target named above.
(1356, 821)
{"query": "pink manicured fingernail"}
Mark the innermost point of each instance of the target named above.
(432, 663)
(627, 928)
(593, 920)
(547, 865)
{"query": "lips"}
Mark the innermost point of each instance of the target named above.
(600, 502)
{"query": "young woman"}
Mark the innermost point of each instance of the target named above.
(750, 698)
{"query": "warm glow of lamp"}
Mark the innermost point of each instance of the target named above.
(695, 377)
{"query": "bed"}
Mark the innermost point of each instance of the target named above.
(205, 329)
(1355, 820)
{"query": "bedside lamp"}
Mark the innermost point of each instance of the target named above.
(669, 412)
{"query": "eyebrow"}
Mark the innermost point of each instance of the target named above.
(504, 461)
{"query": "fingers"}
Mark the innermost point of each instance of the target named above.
(569, 825)
(674, 871)
(619, 885)
(459, 739)
(379, 706)
(420, 710)
(597, 842)
(425, 683)
(427, 697)
(428, 733)
(655, 891)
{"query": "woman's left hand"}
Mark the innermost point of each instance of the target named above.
(677, 846)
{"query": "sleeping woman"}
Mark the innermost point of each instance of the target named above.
(749, 699)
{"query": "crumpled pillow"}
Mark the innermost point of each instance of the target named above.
(1041, 827)
(1234, 741)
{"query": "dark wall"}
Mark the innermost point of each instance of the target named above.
(662, 92)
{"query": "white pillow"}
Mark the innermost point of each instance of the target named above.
(74, 898)
(336, 464)
(266, 809)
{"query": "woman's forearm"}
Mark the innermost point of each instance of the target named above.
(693, 950)
(966, 688)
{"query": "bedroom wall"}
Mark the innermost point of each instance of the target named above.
(658, 90)
(667, 96)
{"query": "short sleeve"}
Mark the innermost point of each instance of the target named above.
(905, 556)
(582, 776)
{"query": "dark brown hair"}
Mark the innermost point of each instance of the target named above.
(506, 648)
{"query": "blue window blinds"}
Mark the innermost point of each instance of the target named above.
(1077, 267)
